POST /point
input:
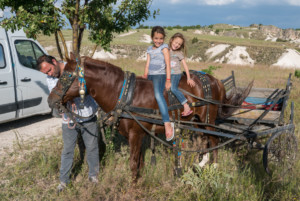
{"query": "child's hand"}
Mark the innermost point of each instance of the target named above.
(191, 82)
(168, 85)
(145, 76)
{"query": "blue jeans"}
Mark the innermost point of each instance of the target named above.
(90, 138)
(175, 78)
(159, 86)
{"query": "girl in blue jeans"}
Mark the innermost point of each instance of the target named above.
(158, 70)
(177, 53)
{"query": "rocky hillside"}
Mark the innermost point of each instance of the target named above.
(220, 43)
(261, 32)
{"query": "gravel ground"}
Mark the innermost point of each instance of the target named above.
(27, 129)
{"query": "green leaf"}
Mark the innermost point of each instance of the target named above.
(102, 18)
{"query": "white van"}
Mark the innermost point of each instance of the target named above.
(23, 89)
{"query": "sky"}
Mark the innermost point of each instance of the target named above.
(281, 13)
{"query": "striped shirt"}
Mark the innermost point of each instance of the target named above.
(90, 106)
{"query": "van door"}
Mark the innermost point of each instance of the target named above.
(30, 81)
(8, 100)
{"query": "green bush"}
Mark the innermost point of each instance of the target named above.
(280, 40)
(210, 69)
(169, 28)
(194, 40)
(297, 73)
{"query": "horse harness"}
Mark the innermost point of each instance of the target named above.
(66, 80)
(126, 97)
(206, 89)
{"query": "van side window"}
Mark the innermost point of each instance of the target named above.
(28, 53)
(2, 58)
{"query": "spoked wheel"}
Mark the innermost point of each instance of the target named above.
(280, 154)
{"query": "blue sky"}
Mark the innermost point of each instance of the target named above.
(281, 13)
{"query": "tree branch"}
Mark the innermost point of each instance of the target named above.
(64, 44)
(120, 13)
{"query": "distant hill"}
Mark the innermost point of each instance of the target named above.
(220, 43)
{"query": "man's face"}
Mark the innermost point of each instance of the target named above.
(50, 69)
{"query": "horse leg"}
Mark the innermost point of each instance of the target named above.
(136, 159)
(202, 143)
(211, 142)
(214, 141)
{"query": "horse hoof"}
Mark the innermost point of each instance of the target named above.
(204, 160)
(153, 160)
(202, 164)
(215, 165)
(178, 172)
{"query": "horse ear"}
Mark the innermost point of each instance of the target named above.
(72, 56)
(68, 60)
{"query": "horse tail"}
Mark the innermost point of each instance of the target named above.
(236, 97)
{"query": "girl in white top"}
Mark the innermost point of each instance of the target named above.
(177, 53)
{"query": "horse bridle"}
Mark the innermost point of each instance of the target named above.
(66, 79)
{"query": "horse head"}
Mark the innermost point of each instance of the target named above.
(67, 87)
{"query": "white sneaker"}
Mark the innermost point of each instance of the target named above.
(61, 187)
(93, 179)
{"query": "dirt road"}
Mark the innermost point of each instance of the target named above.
(27, 129)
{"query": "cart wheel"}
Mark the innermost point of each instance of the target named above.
(280, 154)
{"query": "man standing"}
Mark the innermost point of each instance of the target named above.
(89, 129)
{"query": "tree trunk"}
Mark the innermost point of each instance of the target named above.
(58, 46)
(75, 31)
(81, 30)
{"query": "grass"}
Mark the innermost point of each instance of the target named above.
(31, 171)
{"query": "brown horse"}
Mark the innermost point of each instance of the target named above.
(104, 83)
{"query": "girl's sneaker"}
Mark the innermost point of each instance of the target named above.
(172, 133)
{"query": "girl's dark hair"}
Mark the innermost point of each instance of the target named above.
(158, 29)
(183, 46)
(44, 58)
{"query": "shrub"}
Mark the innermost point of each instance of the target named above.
(210, 69)
(297, 73)
(184, 29)
(169, 28)
(280, 40)
(194, 40)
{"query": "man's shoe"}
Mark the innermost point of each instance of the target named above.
(93, 179)
(61, 187)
